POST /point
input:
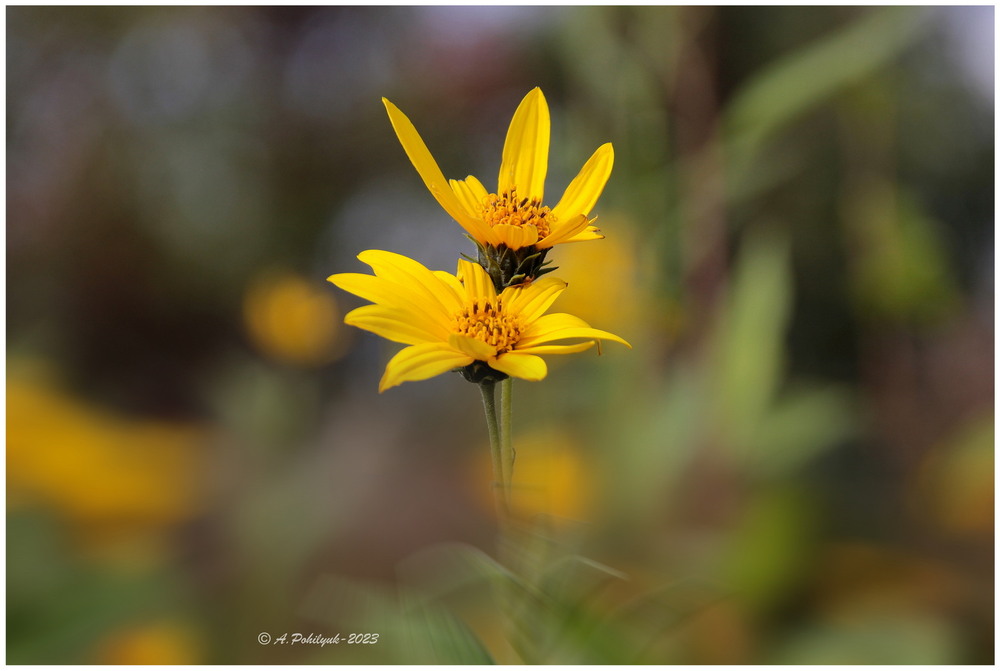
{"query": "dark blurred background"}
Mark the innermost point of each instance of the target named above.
(794, 464)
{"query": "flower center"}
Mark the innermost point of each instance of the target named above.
(507, 208)
(487, 322)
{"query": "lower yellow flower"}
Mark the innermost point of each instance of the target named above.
(452, 321)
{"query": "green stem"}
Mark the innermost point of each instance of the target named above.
(506, 439)
(488, 389)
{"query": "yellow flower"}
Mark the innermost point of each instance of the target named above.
(514, 215)
(115, 477)
(451, 321)
(166, 642)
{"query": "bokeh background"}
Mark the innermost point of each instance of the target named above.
(794, 464)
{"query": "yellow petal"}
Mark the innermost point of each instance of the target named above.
(451, 281)
(564, 231)
(582, 193)
(591, 233)
(526, 150)
(474, 204)
(533, 300)
(428, 169)
(529, 235)
(419, 362)
(404, 299)
(478, 285)
(516, 237)
(407, 273)
(365, 286)
(479, 191)
(557, 349)
(508, 235)
(477, 349)
(524, 366)
(560, 326)
(559, 320)
(465, 196)
(390, 324)
(376, 289)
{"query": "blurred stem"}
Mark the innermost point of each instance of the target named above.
(488, 389)
(506, 439)
(507, 596)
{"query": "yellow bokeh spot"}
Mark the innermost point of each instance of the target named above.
(157, 643)
(293, 320)
(551, 476)
(106, 473)
(603, 277)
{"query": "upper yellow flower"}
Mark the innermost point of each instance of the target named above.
(451, 321)
(514, 215)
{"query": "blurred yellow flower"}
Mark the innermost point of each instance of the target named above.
(613, 294)
(514, 215)
(292, 320)
(552, 477)
(452, 321)
(104, 472)
(155, 643)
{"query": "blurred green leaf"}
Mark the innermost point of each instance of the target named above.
(748, 352)
(873, 638)
(577, 628)
(444, 568)
(768, 550)
(660, 442)
(903, 273)
(449, 640)
(804, 78)
(803, 423)
(659, 613)
(413, 629)
(60, 608)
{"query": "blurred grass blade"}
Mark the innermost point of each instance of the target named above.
(447, 567)
(449, 640)
(413, 629)
(806, 77)
(904, 272)
(748, 352)
(802, 424)
(770, 547)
